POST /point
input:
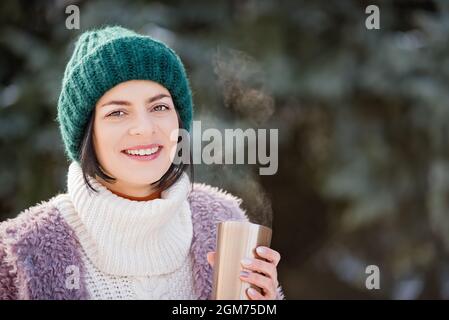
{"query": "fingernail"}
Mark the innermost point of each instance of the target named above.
(252, 291)
(260, 250)
(244, 274)
(246, 261)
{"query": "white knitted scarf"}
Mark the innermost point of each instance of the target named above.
(127, 237)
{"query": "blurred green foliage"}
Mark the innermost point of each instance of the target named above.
(363, 121)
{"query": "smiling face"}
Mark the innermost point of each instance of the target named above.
(132, 130)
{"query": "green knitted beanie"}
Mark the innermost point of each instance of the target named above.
(106, 57)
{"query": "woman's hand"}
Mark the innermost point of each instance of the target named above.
(259, 272)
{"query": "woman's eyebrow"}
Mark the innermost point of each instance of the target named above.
(127, 103)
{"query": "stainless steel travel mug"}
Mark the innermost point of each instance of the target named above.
(236, 240)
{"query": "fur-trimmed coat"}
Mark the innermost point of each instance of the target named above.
(38, 246)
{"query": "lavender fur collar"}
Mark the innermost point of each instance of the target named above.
(38, 247)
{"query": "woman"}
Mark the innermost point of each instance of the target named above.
(130, 225)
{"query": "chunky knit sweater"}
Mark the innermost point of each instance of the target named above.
(83, 245)
(131, 249)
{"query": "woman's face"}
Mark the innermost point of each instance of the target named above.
(139, 115)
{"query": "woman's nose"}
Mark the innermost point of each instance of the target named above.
(142, 125)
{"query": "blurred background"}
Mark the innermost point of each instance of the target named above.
(363, 121)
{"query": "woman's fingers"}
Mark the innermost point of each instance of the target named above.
(269, 254)
(261, 266)
(260, 281)
(253, 294)
(211, 258)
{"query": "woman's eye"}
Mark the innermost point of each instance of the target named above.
(113, 114)
(160, 107)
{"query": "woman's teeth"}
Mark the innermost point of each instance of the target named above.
(143, 152)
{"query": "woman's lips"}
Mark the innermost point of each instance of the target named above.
(144, 157)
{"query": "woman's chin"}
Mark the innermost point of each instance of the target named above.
(142, 180)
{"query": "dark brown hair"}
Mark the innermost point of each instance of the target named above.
(91, 167)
